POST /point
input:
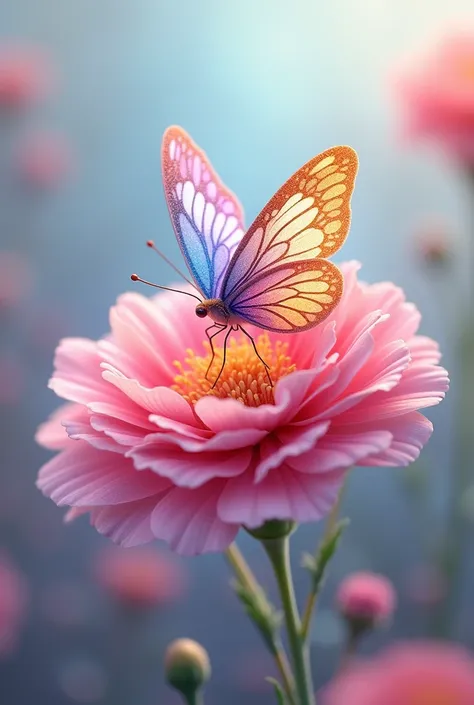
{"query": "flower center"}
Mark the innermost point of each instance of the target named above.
(244, 376)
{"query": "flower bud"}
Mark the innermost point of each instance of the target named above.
(187, 666)
(364, 600)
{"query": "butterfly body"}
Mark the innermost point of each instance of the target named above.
(274, 275)
(218, 311)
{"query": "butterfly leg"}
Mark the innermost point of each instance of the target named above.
(267, 367)
(225, 353)
(220, 327)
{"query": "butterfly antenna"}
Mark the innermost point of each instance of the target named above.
(152, 246)
(136, 278)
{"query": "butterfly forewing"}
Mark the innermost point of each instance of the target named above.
(206, 216)
(290, 297)
(307, 218)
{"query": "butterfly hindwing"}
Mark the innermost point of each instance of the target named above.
(290, 297)
(206, 216)
(307, 219)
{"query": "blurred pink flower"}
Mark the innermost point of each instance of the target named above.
(13, 602)
(415, 673)
(44, 160)
(15, 279)
(366, 596)
(24, 75)
(437, 92)
(142, 576)
(150, 451)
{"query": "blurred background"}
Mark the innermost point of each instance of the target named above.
(86, 90)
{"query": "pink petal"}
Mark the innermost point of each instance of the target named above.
(312, 347)
(288, 443)
(189, 469)
(123, 411)
(51, 434)
(85, 476)
(282, 494)
(339, 450)
(424, 350)
(157, 400)
(404, 318)
(420, 386)
(171, 320)
(164, 423)
(77, 376)
(82, 430)
(229, 414)
(187, 520)
(127, 524)
(221, 442)
(410, 434)
(383, 373)
(74, 513)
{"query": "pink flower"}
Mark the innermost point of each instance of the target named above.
(438, 95)
(13, 598)
(413, 673)
(43, 160)
(141, 576)
(24, 76)
(366, 596)
(150, 451)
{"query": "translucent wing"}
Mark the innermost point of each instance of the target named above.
(206, 216)
(290, 297)
(307, 218)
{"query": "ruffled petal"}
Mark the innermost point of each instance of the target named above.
(282, 494)
(410, 433)
(421, 386)
(288, 443)
(187, 470)
(339, 450)
(187, 520)
(77, 375)
(52, 434)
(127, 524)
(85, 476)
(148, 335)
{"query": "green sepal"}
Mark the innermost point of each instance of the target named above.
(280, 695)
(262, 613)
(317, 565)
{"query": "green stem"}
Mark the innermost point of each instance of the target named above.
(278, 551)
(194, 698)
(244, 574)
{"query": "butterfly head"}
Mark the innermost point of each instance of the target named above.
(216, 310)
(201, 311)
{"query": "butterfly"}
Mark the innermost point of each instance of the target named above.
(274, 275)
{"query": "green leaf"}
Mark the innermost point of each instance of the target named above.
(317, 565)
(280, 696)
(264, 616)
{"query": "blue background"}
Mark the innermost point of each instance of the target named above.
(262, 86)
